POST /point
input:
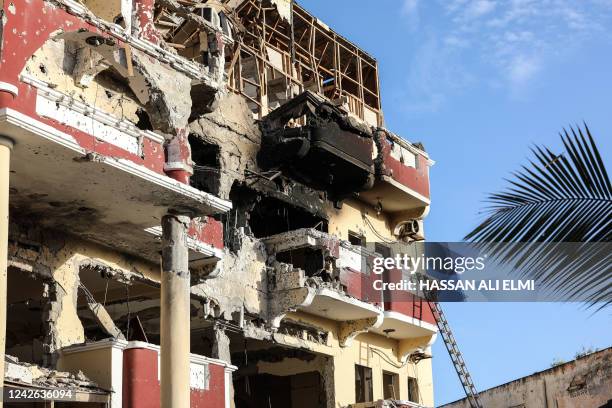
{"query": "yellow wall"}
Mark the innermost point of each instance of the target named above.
(368, 350)
(350, 218)
(104, 9)
(64, 264)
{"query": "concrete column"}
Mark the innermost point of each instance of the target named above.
(5, 155)
(175, 313)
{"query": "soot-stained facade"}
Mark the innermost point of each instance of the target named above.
(191, 193)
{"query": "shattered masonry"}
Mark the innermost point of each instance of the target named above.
(195, 191)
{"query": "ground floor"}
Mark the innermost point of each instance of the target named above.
(83, 309)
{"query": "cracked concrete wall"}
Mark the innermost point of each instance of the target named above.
(169, 100)
(58, 259)
(241, 282)
(156, 87)
(585, 382)
(54, 62)
(231, 127)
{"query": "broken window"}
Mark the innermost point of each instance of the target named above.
(311, 260)
(110, 306)
(192, 30)
(356, 239)
(27, 301)
(270, 217)
(390, 385)
(413, 390)
(382, 249)
(363, 384)
(206, 165)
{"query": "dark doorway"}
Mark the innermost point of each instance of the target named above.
(270, 391)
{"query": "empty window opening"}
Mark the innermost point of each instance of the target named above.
(206, 165)
(413, 390)
(27, 302)
(144, 122)
(356, 239)
(134, 308)
(382, 249)
(390, 386)
(293, 391)
(275, 388)
(363, 384)
(310, 260)
(271, 216)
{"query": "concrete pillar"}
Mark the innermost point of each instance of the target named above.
(6, 145)
(221, 346)
(175, 313)
(178, 157)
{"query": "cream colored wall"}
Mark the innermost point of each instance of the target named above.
(52, 56)
(64, 264)
(97, 364)
(350, 218)
(104, 9)
(361, 351)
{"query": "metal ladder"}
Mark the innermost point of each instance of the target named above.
(455, 354)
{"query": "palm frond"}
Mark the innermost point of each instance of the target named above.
(564, 197)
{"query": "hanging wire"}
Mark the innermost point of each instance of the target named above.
(88, 294)
(384, 356)
(105, 292)
(378, 234)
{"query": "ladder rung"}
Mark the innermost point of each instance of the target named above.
(455, 354)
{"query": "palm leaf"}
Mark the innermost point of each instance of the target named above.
(564, 198)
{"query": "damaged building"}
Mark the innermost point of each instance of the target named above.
(191, 194)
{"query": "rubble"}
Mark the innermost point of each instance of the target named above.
(226, 158)
(31, 374)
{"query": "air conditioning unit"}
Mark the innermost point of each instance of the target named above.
(410, 230)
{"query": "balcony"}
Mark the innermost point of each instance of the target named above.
(402, 178)
(340, 267)
(407, 315)
(407, 319)
(321, 275)
(340, 284)
(81, 162)
(316, 143)
(109, 188)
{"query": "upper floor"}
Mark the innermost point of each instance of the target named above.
(254, 117)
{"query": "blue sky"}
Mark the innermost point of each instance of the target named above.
(478, 82)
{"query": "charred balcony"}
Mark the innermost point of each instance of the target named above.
(315, 142)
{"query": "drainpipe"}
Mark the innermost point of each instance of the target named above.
(143, 25)
(6, 145)
(175, 312)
